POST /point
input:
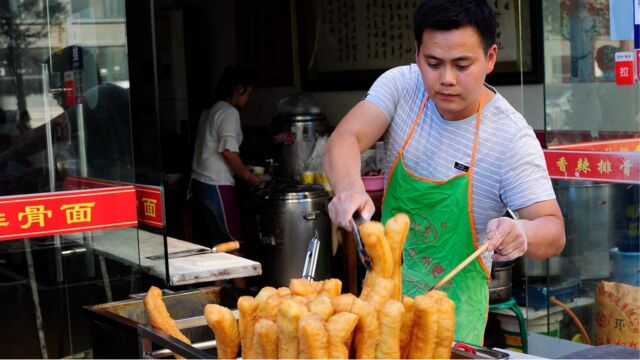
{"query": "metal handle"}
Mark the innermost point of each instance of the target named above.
(311, 215)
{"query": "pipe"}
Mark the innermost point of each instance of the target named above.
(574, 317)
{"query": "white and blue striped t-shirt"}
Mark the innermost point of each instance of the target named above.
(510, 169)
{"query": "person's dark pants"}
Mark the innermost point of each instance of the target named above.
(215, 215)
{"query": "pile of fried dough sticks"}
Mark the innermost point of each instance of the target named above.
(313, 320)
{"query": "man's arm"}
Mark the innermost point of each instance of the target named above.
(236, 164)
(363, 125)
(539, 233)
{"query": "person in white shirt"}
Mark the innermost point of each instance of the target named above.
(216, 161)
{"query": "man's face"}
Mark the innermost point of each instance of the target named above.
(454, 65)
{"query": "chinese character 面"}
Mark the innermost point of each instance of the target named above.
(562, 164)
(78, 212)
(34, 214)
(3, 220)
(583, 166)
(149, 206)
(604, 166)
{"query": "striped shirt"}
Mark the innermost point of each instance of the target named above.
(510, 169)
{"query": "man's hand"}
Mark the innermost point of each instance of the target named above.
(507, 238)
(345, 204)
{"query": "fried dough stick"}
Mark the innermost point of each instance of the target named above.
(340, 327)
(247, 306)
(302, 287)
(343, 302)
(446, 326)
(396, 230)
(313, 337)
(321, 305)
(388, 346)
(331, 288)
(381, 292)
(367, 331)
(406, 329)
(425, 328)
(160, 318)
(223, 324)
(289, 313)
(265, 340)
(377, 246)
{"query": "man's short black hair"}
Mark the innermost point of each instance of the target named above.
(231, 77)
(455, 14)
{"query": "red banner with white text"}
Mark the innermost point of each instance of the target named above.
(63, 212)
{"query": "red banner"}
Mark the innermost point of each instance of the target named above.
(148, 198)
(65, 212)
(620, 167)
(610, 145)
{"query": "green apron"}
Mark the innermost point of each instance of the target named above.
(442, 235)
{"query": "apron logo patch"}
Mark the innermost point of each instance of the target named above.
(461, 167)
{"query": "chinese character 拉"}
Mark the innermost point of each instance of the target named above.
(78, 212)
(149, 207)
(35, 215)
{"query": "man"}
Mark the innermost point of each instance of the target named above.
(216, 160)
(457, 156)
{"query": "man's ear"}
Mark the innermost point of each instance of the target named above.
(492, 56)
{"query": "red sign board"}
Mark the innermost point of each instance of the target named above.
(63, 212)
(624, 68)
(609, 145)
(621, 167)
(148, 198)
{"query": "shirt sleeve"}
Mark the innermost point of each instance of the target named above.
(229, 131)
(525, 177)
(386, 91)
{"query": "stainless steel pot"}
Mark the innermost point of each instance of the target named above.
(304, 130)
(287, 216)
(594, 215)
(500, 285)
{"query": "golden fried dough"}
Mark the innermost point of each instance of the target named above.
(340, 327)
(390, 315)
(377, 246)
(268, 309)
(331, 287)
(425, 323)
(247, 306)
(406, 330)
(343, 302)
(321, 305)
(289, 313)
(367, 331)
(265, 340)
(284, 291)
(302, 287)
(396, 230)
(159, 317)
(381, 292)
(313, 337)
(223, 324)
(446, 326)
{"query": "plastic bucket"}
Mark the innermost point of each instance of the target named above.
(625, 267)
(511, 329)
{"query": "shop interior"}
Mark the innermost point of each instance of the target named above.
(156, 65)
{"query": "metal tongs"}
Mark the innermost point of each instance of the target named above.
(363, 255)
(311, 259)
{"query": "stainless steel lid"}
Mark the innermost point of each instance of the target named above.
(289, 190)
